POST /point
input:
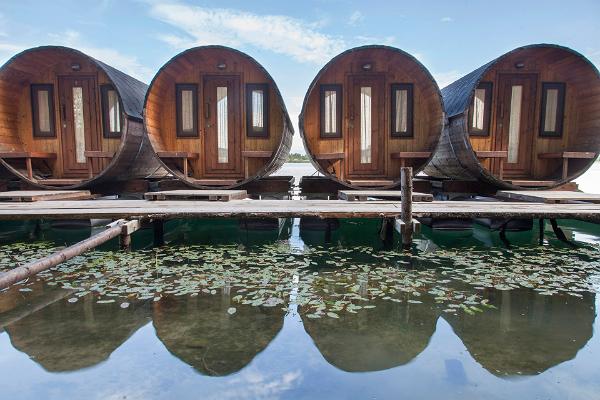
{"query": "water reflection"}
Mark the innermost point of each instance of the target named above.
(528, 333)
(65, 336)
(203, 331)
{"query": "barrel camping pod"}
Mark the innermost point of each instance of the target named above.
(216, 118)
(368, 112)
(70, 121)
(528, 119)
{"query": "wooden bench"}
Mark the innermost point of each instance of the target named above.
(408, 155)
(566, 156)
(181, 155)
(247, 154)
(28, 155)
(330, 156)
(96, 154)
(500, 154)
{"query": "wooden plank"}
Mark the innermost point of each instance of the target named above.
(400, 226)
(329, 156)
(550, 197)
(370, 183)
(410, 154)
(44, 195)
(59, 181)
(531, 183)
(211, 195)
(363, 195)
(256, 154)
(568, 154)
(491, 154)
(214, 182)
(176, 154)
(27, 154)
(99, 154)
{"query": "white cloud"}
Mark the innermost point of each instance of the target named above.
(443, 79)
(356, 18)
(447, 19)
(277, 33)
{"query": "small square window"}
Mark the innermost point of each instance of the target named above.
(187, 110)
(257, 110)
(553, 109)
(111, 112)
(480, 110)
(402, 110)
(42, 107)
(331, 111)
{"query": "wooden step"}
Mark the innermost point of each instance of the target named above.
(531, 183)
(210, 195)
(364, 195)
(370, 183)
(44, 195)
(59, 181)
(214, 182)
(549, 196)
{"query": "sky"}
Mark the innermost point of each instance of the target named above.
(294, 39)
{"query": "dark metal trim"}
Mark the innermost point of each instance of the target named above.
(487, 111)
(35, 88)
(264, 131)
(560, 111)
(106, 132)
(409, 111)
(180, 87)
(338, 123)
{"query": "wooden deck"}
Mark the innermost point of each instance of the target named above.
(210, 195)
(549, 196)
(168, 209)
(44, 195)
(364, 195)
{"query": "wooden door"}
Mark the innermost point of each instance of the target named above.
(366, 126)
(223, 130)
(515, 125)
(79, 131)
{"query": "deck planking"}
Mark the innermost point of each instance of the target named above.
(548, 196)
(169, 209)
(364, 195)
(186, 194)
(44, 195)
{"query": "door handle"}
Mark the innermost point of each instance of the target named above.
(207, 111)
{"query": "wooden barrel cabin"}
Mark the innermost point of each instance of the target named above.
(71, 121)
(528, 119)
(368, 112)
(216, 118)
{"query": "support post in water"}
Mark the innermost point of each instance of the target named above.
(159, 232)
(406, 188)
(126, 230)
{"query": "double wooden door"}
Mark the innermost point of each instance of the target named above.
(78, 123)
(222, 126)
(366, 110)
(515, 123)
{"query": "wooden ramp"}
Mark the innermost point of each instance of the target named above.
(363, 195)
(549, 196)
(44, 195)
(210, 195)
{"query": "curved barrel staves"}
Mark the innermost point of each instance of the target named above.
(528, 119)
(71, 121)
(215, 118)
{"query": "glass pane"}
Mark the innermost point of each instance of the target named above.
(551, 110)
(114, 112)
(43, 101)
(78, 123)
(222, 134)
(514, 125)
(365, 125)
(330, 111)
(401, 111)
(478, 109)
(257, 109)
(187, 110)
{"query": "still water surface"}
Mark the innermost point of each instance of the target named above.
(223, 313)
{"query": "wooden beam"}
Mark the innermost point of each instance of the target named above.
(406, 205)
(257, 154)
(329, 156)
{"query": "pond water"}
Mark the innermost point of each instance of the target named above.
(225, 313)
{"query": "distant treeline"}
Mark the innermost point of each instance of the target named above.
(298, 158)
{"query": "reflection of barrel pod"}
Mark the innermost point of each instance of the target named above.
(215, 117)
(368, 112)
(529, 333)
(526, 119)
(200, 331)
(69, 120)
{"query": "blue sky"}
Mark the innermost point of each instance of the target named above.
(293, 40)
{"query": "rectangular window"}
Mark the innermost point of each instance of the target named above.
(257, 110)
(365, 125)
(331, 111)
(79, 124)
(111, 112)
(402, 110)
(187, 110)
(553, 109)
(479, 113)
(514, 124)
(222, 126)
(42, 108)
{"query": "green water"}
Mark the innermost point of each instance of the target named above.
(224, 312)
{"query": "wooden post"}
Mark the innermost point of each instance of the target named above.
(126, 230)
(406, 186)
(159, 232)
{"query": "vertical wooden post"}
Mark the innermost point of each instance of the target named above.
(406, 188)
(125, 241)
(159, 232)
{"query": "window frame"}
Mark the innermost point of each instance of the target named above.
(487, 111)
(560, 109)
(264, 132)
(409, 87)
(35, 120)
(337, 88)
(179, 88)
(106, 132)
